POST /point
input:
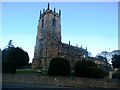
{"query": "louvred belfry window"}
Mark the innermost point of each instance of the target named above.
(42, 22)
(54, 22)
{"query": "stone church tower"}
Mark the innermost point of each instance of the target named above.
(48, 42)
(48, 37)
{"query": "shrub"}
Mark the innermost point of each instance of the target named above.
(95, 72)
(8, 67)
(59, 67)
(82, 66)
(13, 58)
(89, 69)
(105, 67)
(116, 75)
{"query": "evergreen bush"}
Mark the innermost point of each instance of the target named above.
(89, 69)
(116, 75)
(59, 67)
(82, 66)
(8, 67)
(95, 72)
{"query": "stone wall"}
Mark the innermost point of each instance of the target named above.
(60, 81)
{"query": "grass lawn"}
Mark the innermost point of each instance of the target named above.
(25, 71)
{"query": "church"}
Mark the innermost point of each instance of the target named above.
(48, 42)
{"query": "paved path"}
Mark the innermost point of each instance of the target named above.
(44, 87)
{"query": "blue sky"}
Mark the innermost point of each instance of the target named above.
(93, 25)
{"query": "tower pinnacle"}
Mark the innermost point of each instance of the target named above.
(59, 12)
(48, 6)
(40, 13)
(54, 9)
(69, 42)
